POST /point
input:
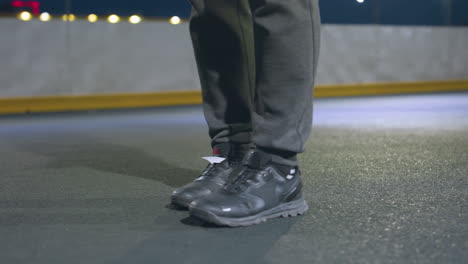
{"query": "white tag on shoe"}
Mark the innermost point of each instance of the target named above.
(214, 160)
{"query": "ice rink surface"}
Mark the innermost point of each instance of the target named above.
(386, 179)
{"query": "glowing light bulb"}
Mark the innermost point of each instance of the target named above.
(175, 20)
(360, 1)
(69, 17)
(25, 16)
(113, 19)
(134, 19)
(44, 17)
(92, 18)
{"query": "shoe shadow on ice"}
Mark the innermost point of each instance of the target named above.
(193, 221)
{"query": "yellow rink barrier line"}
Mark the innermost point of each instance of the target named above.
(134, 100)
(366, 89)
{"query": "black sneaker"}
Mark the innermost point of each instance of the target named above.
(214, 176)
(255, 192)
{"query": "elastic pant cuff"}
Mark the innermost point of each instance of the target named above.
(281, 157)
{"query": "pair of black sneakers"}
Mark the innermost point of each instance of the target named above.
(243, 187)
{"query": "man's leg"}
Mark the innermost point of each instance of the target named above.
(268, 182)
(287, 39)
(223, 41)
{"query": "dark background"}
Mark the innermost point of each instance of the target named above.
(397, 12)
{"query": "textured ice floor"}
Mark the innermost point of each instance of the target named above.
(385, 178)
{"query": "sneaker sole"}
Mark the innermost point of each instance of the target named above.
(294, 208)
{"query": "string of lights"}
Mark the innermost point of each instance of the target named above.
(91, 18)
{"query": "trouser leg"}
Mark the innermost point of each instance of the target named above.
(223, 42)
(287, 40)
(257, 69)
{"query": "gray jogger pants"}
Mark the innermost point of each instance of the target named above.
(257, 62)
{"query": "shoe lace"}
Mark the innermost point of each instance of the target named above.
(207, 171)
(212, 169)
(243, 179)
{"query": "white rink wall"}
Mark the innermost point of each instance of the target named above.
(59, 58)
